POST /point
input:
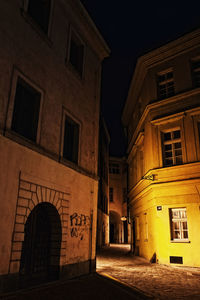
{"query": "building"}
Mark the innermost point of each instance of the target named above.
(162, 119)
(103, 192)
(118, 214)
(50, 57)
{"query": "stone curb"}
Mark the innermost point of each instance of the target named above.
(131, 289)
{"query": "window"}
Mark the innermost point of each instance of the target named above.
(137, 228)
(179, 228)
(76, 54)
(165, 82)
(198, 124)
(71, 140)
(124, 194)
(146, 227)
(111, 194)
(172, 148)
(114, 168)
(39, 11)
(26, 110)
(195, 66)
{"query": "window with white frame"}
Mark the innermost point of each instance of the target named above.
(165, 82)
(26, 110)
(172, 147)
(195, 66)
(71, 140)
(179, 227)
(39, 11)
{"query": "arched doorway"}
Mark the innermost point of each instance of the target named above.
(115, 227)
(40, 256)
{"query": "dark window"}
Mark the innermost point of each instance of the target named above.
(165, 85)
(39, 10)
(124, 195)
(111, 194)
(26, 110)
(71, 140)
(176, 259)
(198, 124)
(196, 73)
(114, 168)
(76, 54)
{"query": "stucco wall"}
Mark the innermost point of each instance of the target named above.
(80, 193)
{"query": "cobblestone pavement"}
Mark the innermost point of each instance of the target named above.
(159, 281)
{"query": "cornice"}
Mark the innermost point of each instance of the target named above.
(170, 50)
(89, 28)
(158, 104)
(145, 186)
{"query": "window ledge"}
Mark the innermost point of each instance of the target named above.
(180, 241)
(36, 27)
(36, 147)
(74, 72)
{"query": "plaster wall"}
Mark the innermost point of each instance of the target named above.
(78, 242)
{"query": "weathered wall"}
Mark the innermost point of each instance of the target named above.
(35, 172)
(29, 178)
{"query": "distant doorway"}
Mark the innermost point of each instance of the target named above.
(112, 233)
(40, 257)
(115, 227)
(125, 232)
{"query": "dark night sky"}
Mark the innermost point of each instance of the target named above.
(130, 29)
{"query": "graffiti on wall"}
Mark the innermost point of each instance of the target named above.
(80, 225)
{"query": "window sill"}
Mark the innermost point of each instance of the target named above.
(37, 28)
(180, 241)
(21, 140)
(75, 73)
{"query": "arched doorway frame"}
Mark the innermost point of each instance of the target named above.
(30, 194)
(40, 255)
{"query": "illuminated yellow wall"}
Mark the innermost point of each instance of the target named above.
(154, 224)
(148, 115)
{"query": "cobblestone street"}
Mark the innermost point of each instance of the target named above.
(159, 281)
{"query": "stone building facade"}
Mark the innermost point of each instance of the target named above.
(103, 192)
(118, 214)
(162, 118)
(50, 58)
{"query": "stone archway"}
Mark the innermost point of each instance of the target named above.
(40, 255)
(56, 202)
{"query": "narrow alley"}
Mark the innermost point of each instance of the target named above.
(158, 281)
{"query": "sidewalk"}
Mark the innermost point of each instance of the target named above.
(91, 287)
(159, 281)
